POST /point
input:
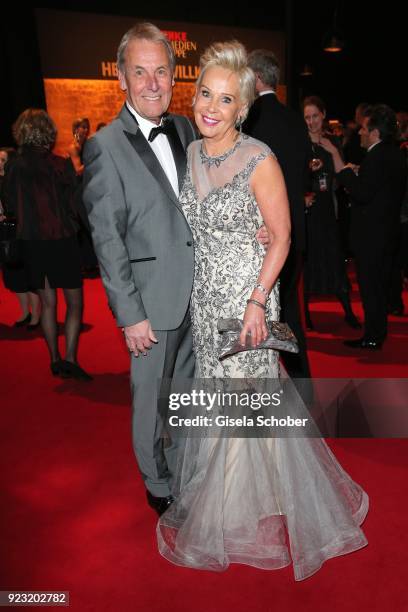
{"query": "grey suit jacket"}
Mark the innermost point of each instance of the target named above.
(142, 240)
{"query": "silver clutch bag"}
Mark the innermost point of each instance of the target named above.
(280, 338)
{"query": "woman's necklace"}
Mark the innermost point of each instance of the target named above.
(216, 160)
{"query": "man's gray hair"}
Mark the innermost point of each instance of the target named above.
(144, 31)
(265, 64)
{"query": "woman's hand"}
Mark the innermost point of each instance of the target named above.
(309, 199)
(327, 145)
(254, 330)
(333, 150)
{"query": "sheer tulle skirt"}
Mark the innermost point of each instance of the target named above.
(261, 502)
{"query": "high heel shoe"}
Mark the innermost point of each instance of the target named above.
(57, 368)
(32, 326)
(73, 370)
(24, 321)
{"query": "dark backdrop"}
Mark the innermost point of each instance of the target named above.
(371, 68)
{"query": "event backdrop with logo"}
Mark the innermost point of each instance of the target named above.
(78, 58)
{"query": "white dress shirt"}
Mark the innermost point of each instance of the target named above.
(373, 145)
(160, 147)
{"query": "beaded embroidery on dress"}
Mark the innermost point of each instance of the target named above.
(224, 217)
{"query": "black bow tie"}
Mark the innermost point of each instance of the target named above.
(165, 128)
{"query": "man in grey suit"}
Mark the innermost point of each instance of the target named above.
(134, 169)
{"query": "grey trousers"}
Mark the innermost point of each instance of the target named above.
(171, 357)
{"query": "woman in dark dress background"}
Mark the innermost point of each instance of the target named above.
(15, 274)
(38, 192)
(325, 269)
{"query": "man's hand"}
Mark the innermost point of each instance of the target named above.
(139, 337)
(263, 237)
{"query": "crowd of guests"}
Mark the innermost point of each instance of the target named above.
(375, 189)
(340, 208)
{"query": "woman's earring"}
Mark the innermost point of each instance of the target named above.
(239, 124)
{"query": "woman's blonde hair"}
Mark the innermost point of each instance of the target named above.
(232, 56)
(35, 127)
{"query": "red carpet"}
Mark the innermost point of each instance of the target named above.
(73, 511)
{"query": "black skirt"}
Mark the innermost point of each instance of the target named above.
(57, 260)
(15, 277)
(325, 269)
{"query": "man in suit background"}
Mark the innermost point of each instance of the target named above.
(353, 151)
(285, 133)
(376, 192)
(134, 169)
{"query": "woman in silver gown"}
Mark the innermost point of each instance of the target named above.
(246, 500)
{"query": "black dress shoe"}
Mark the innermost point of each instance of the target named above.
(308, 322)
(364, 343)
(24, 321)
(396, 312)
(73, 370)
(160, 504)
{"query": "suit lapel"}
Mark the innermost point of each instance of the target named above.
(179, 154)
(145, 153)
(367, 162)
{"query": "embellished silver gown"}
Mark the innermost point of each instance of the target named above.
(258, 501)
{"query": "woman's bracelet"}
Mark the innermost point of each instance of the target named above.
(250, 301)
(262, 289)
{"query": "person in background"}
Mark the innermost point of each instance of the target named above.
(284, 132)
(400, 259)
(402, 118)
(325, 269)
(80, 131)
(38, 192)
(376, 188)
(89, 263)
(353, 152)
(15, 274)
